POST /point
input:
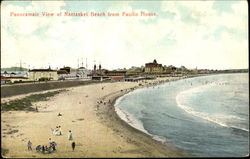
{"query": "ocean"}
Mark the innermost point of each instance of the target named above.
(206, 116)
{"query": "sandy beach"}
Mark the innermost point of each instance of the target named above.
(96, 128)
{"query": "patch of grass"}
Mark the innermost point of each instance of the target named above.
(12, 132)
(26, 103)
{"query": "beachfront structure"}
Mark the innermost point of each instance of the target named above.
(153, 68)
(66, 73)
(99, 71)
(16, 79)
(14, 74)
(82, 72)
(116, 75)
(62, 74)
(42, 74)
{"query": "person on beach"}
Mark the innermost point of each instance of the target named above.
(73, 145)
(60, 130)
(46, 148)
(53, 145)
(43, 149)
(49, 144)
(70, 135)
(29, 145)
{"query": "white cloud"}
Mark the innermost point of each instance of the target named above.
(124, 41)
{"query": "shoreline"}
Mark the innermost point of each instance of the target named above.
(96, 127)
(133, 128)
(138, 128)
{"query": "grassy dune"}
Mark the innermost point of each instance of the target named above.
(26, 103)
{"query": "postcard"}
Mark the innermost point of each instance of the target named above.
(83, 79)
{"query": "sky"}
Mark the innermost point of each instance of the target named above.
(202, 34)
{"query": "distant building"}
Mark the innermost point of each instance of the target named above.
(169, 69)
(98, 72)
(153, 68)
(62, 74)
(16, 79)
(116, 75)
(14, 74)
(68, 73)
(68, 69)
(43, 74)
(82, 72)
(135, 71)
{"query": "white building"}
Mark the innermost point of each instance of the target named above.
(82, 72)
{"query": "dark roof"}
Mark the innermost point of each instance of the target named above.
(17, 77)
(115, 71)
(153, 65)
(62, 72)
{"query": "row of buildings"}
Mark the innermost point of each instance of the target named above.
(67, 73)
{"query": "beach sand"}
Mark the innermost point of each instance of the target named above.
(96, 128)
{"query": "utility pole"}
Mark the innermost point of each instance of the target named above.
(78, 63)
(86, 64)
(82, 62)
(20, 65)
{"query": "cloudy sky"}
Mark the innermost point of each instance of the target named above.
(202, 34)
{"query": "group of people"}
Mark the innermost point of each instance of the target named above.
(51, 146)
(57, 131)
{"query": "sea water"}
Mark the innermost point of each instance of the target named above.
(205, 116)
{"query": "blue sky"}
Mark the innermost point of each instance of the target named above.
(203, 34)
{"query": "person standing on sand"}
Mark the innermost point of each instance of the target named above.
(43, 149)
(29, 145)
(73, 145)
(60, 130)
(70, 135)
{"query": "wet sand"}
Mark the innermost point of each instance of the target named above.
(97, 130)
